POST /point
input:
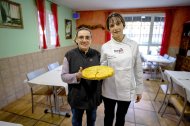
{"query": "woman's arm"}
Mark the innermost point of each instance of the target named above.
(138, 72)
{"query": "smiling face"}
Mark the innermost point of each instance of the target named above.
(84, 39)
(116, 28)
(115, 23)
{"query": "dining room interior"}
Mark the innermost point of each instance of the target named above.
(36, 34)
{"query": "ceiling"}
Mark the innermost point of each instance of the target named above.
(84, 5)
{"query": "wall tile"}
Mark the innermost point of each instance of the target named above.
(3, 103)
(29, 67)
(4, 64)
(28, 58)
(19, 93)
(17, 81)
(21, 60)
(13, 72)
(22, 68)
(36, 65)
(13, 61)
(40, 57)
(2, 92)
(36, 59)
(7, 81)
(173, 51)
(8, 86)
(26, 89)
(23, 77)
(11, 98)
(1, 80)
(19, 88)
(5, 73)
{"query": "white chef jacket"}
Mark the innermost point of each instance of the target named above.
(125, 59)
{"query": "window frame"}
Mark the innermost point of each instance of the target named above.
(150, 42)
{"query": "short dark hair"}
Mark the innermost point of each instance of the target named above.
(83, 28)
(80, 29)
(117, 15)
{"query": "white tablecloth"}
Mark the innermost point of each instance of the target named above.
(182, 78)
(2, 123)
(50, 78)
(156, 58)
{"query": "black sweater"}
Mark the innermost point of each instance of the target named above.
(86, 94)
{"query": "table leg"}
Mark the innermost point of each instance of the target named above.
(56, 109)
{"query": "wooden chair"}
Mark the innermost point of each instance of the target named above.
(179, 101)
(39, 90)
(163, 87)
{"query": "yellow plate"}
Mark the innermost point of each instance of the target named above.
(97, 72)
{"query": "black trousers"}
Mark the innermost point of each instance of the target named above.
(122, 107)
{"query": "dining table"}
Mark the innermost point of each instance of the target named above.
(156, 61)
(182, 78)
(52, 78)
(156, 58)
(3, 123)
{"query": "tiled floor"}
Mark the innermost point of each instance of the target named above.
(139, 114)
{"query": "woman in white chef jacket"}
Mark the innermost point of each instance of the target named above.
(123, 56)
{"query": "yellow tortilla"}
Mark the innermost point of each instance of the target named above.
(97, 72)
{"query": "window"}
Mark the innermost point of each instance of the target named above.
(147, 30)
(49, 31)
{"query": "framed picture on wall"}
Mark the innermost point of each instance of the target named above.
(10, 14)
(68, 29)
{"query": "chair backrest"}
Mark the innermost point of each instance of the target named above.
(166, 56)
(35, 73)
(53, 66)
(163, 76)
(172, 62)
(178, 89)
(142, 59)
(172, 59)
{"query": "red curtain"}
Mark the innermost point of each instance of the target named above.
(41, 9)
(54, 12)
(166, 33)
(107, 33)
